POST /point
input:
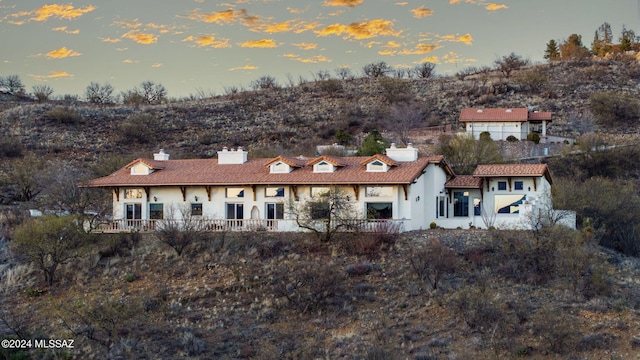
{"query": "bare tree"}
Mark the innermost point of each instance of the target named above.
(424, 70)
(508, 63)
(42, 92)
(433, 261)
(344, 73)
(180, 228)
(153, 93)
(325, 214)
(99, 94)
(265, 82)
(376, 70)
(402, 119)
(13, 84)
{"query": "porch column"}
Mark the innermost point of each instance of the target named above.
(544, 128)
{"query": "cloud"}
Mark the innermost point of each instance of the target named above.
(466, 39)
(156, 65)
(273, 28)
(141, 38)
(129, 61)
(66, 30)
(350, 3)
(402, 3)
(306, 46)
(430, 59)
(243, 67)
(62, 53)
(208, 41)
(129, 24)
(312, 60)
(495, 7)
(263, 43)
(222, 17)
(110, 40)
(52, 75)
(419, 49)
(297, 11)
(363, 30)
(421, 12)
(67, 12)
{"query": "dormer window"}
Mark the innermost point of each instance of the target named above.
(323, 167)
(377, 166)
(279, 168)
(141, 169)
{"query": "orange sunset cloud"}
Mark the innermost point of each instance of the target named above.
(264, 43)
(363, 30)
(62, 53)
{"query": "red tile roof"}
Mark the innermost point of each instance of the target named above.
(504, 170)
(464, 181)
(335, 161)
(209, 172)
(293, 162)
(384, 158)
(501, 115)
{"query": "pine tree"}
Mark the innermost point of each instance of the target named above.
(553, 52)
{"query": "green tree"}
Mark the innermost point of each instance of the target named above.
(602, 40)
(552, 53)
(21, 179)
(49, 242)
(373, 144)
(627, 39)
(464, 153)
(612, 107)
(342, 137)
(508, 63)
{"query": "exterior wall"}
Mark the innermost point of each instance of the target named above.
(499, 131)
(450, 221)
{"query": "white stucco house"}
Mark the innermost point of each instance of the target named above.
(233, 192)
(504, 122)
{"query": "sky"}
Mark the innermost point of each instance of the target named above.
(196, 47)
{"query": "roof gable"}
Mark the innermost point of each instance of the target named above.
(505, 170)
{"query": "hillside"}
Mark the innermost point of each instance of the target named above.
(261, 296)
(292, 120)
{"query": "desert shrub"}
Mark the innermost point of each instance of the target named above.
(309, 286)
(535, 137)
(475, 307)
(485, 136)
(10, 147)
(192, 345)
(63, 115)
(139, 129)
(614, 107)
(395, 90)
(512, 138)
(330, 86)
(265, 82)
(560, 339)
(430, 263)
(433, 225)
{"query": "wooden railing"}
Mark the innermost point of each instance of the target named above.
(213, 225)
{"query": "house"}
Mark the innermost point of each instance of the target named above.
(502, 123)
(233, 192)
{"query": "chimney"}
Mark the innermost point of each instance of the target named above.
(232, 156)
(161, 156)
(402, 154)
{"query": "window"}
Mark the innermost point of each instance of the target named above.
(235, 192)
(275, 211)
(156, 211)
(133, 193)
(196, 209)
(376, 165)
(280, 168)
(133, 211)
(508, 204)
(440, 211)
(518, 185)
(460, 203)
(477, 207)
(319, 210)
(379, 191)
(323, 166)
(379, 210)
(235, 211)
(274, 192)
(502, 185)
(317, 191)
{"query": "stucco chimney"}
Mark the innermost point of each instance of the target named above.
(161, 156)
(402, 154)
(238, 156)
